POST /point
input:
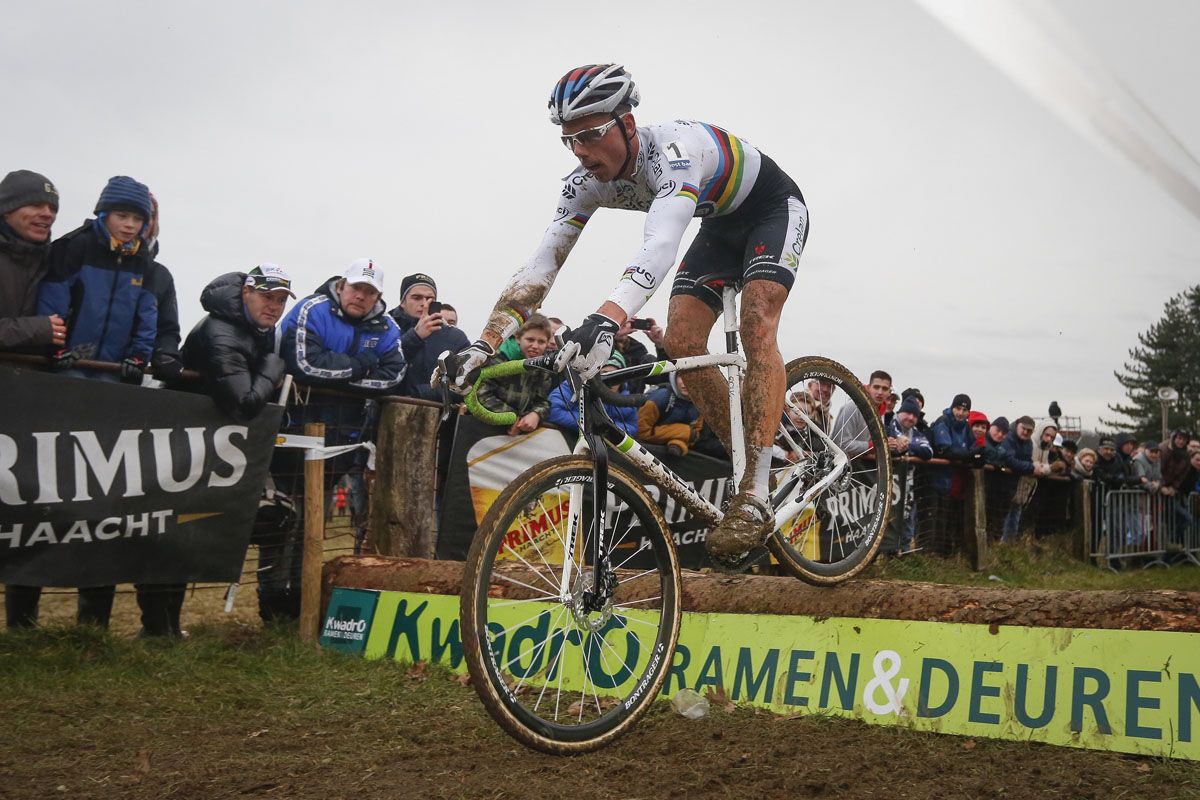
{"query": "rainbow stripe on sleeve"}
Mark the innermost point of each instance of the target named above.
(518, 313)
(723, 187)
(689, 191)
(578, 221)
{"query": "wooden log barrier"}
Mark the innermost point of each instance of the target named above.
(758, 594)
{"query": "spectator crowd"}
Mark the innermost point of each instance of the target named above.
(100, 294)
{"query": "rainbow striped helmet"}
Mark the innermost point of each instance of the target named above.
(592, 89)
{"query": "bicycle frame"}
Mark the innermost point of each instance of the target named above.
(786, 507)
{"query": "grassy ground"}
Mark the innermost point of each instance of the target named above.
(238, 712)
(1041, 564)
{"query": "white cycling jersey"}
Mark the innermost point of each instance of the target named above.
(683, 170)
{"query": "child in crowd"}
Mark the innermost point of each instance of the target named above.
(526, 395)
(795, 427)
(669, 417)
(97, 282)
(979, 427)
(564, 405)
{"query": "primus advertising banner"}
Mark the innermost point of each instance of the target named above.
(104, 483)
(1129, 691)
(485, 459)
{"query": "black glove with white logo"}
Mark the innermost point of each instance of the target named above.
(133, 369)
(586, 348)
(463, 367)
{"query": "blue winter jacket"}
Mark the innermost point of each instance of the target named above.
(918, 444)
(673, 408)
(564, 411)
(110, 313)
(952, 439)
(322, 345)
(1018, 455)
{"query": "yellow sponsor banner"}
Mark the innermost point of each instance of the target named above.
(1127, 691)
(493, 462)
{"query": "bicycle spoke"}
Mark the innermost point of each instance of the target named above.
(515, 582)
(631, 555)
(633, 602)
(552, 667)
(635, 577)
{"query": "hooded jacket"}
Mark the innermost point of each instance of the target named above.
(564, 411)
(102, 295)
(421, 355)
(236, 359)
(1112, 472)
(1175, 465)
(918, 445)
(22, 265)
(951, 439)
(322, 345)
(161, 285)
(1151, 471)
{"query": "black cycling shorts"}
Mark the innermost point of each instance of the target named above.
(765, 247)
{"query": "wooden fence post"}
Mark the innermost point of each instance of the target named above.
(314, 539)
(403, 522)
(1082, 496)
(975, 520)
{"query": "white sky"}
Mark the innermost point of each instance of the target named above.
(963, 238)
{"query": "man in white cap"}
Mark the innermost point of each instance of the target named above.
(340, 335)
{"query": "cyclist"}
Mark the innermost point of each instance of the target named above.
(754, 227)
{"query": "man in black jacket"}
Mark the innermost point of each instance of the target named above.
(233, 348)
(28, 208)
(424, 333)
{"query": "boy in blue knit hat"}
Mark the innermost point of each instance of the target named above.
(96, 282)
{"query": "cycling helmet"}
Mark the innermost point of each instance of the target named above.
(591, 89)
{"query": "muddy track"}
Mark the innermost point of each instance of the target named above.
(1162, 610)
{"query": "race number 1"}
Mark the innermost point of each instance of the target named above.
(677, 155)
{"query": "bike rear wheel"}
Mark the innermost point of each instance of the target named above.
(835, 536)
(560, 670)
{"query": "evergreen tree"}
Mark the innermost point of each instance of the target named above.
(1168, 354)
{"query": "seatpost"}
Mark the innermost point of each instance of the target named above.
(733, 375)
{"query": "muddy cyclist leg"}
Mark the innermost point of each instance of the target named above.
(689, 321)
(763, 388)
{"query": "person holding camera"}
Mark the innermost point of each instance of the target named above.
(636, 353)
(425, 333)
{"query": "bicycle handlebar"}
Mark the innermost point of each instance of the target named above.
(509, 368)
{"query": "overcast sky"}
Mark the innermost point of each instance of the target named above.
(963, 237)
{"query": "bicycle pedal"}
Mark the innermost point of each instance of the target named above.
(739, 564)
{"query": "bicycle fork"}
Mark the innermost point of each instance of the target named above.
(603, 583)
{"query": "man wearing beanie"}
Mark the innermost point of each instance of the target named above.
(424, 335)
(28, 208)
(904, 431)
(951, 438)
(97, 283)
(993, 442)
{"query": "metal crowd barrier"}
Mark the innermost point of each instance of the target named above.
(1134, 526)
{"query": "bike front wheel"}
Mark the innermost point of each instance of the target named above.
(837, 532)
(567, 667)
